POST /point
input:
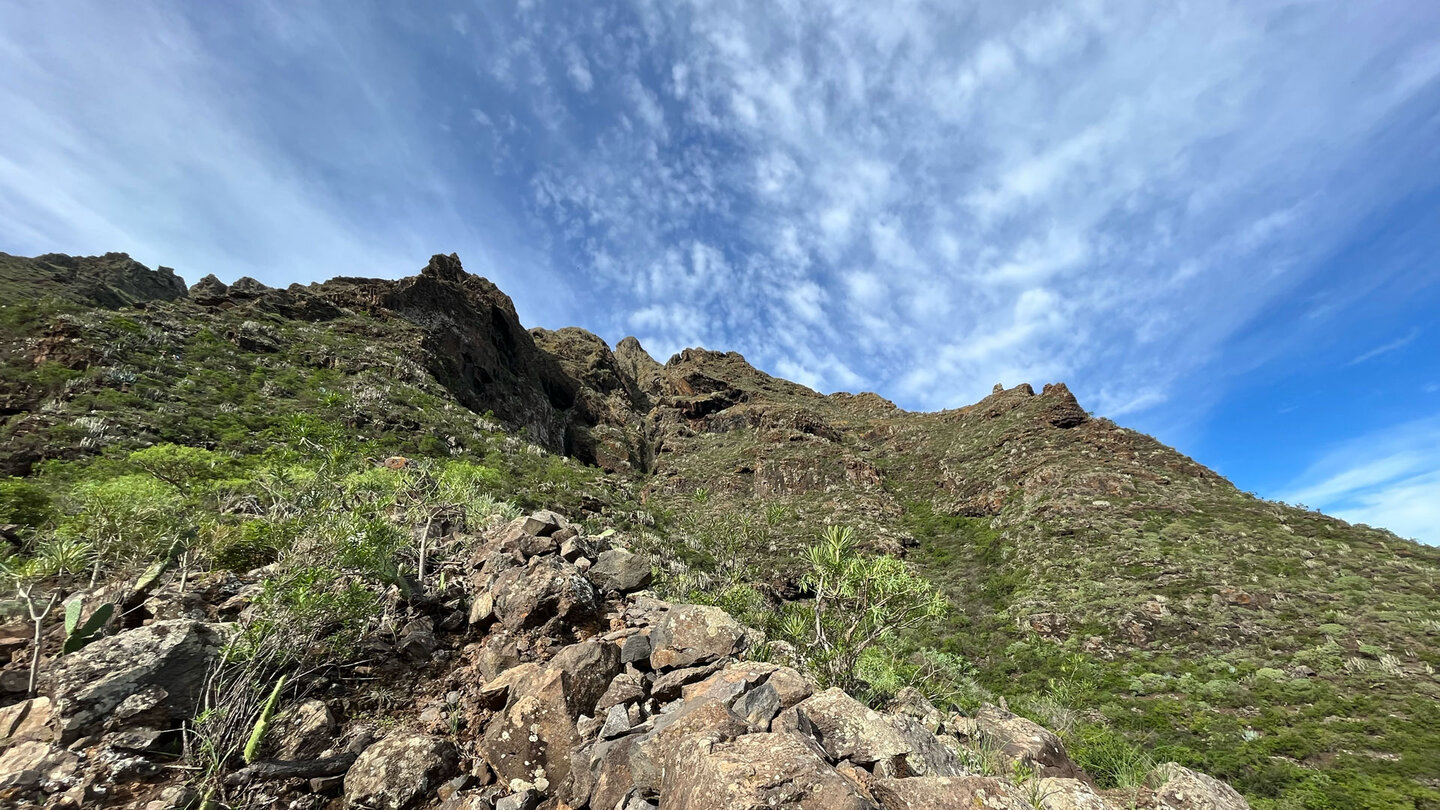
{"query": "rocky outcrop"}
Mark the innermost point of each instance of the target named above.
(112, 281)
(564, 693)
(150, 677)
(1178, 788)
(472, 340)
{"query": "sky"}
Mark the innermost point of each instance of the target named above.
(1217, 221)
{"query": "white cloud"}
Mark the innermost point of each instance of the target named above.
(1389, 479)
(1103, 193)
(578, 69)
(921, 198)
(1398, 343)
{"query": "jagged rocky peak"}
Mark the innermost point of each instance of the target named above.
(644, 369)
(445, 268)
(584, 356)
(697, 371)
(1055, 404)
(208, 290)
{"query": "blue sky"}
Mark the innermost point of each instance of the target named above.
(1217, 221)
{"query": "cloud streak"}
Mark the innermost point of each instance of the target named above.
(1390, 478)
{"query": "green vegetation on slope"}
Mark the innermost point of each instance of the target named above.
(1098, 581)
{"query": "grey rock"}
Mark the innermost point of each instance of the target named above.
(694, 634)
(626, 688)
(668, 685)
(1024, 742)
(617, 722)
(620, 571)
(847, 729)
(524, 800)
(758, 771)
(758, 706)
(399, 771)
(1179, 788)
(550, 590)
(166, 661)
(305, 730)
(636, 649)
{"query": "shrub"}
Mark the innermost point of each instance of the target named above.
(249, 545)
(24, 503)
(1106, 756)
(857, 602)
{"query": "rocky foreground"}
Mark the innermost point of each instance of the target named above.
(548, 679)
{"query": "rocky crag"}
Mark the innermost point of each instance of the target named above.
(551, 679)
(1107, 585)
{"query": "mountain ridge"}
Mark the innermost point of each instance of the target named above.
(1055, 534)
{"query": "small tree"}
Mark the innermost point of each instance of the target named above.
(858, 602)
(52, 568)
(184, 468)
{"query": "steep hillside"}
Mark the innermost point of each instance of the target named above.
(1098, 581)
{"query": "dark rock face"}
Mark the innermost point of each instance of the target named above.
(474, 343)
(151, 676)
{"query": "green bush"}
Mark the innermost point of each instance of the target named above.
(1108, 757)
(857, 603)
(24, 503)
(249, 545)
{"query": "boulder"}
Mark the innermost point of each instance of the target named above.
(910, 702)
(620, 571)
(399, 771)
(1069, 794)
(626, 688)
(600, 774)
(534, 741)
(847, 729)
(947, 793)
(28, 765)
(669, 685)
(498, 655)
(589, 669)
(757, 771)
(791, 686)
(694, 634)
(1024, 742)
(26, 720)
(543, 523)
(551, 589)
(305, 731)
(656, 752)
(151, 675)
(926, 755)
(1179, 788)
(730, 682)
(482, 608)
(758, 706)
(636, 650)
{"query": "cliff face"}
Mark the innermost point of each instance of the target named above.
(1276, 647)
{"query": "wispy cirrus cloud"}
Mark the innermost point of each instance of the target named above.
(919, 198)
(1390, 478)
(1386, 348)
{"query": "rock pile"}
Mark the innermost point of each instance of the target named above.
(562, 684)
